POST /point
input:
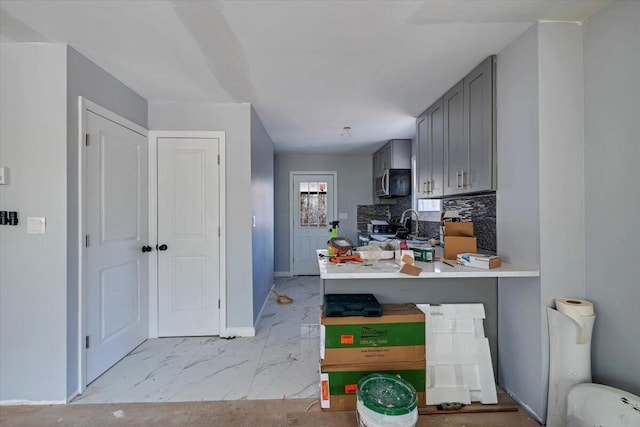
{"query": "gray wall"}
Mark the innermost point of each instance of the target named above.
(39, 273)
(518, 219)
(262, 209)
(612, 205)
(33, 276)
(561, 118)
(85, 78)
(234, 120)
(540, 72)
(354, 188)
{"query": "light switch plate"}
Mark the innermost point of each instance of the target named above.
(343, 215)
(36, 225)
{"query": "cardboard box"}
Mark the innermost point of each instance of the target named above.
(479, 261)
(396, 336)
(458, 239)
(339, 383)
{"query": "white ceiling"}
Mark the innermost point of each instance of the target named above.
(308, 67)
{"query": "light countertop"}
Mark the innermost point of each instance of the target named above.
(388, 269)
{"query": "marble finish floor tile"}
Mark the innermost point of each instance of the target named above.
(280, 361)
(291, 374)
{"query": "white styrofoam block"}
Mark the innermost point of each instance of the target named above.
(445, 376)
(436, 310)
(449, 311)
(463, 311)
(458, 359)
(478, 327)
(425, 308)
(442, 325)
(485, 371)
(471, 377)
(473, 311)
(465, 326)
(443, 346)
(464, 349)
(323, 334)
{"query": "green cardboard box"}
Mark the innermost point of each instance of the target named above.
(339, 383)
(396, 336)
(424, 254)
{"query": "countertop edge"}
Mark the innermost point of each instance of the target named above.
(443, 271)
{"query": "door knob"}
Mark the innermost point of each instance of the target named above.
(146, 248)
(162, 247)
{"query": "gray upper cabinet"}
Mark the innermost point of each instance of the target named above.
(430, 151)
(479, 127)
(456, 152)
(457, 138)
(395, 154)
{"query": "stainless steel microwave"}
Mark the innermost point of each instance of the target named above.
(393, 183)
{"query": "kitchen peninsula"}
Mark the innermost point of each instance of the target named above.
(438, 283)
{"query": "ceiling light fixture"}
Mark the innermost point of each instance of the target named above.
(347, 130)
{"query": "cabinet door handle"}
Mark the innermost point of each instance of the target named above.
(384, 182)
(458, 180)
(462, 176)
(425, 187)
(430, 187)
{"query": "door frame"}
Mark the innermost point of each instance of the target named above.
(84, 106)
(292, 203)
(153, 221)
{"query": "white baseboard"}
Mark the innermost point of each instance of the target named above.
(264, 304)
(239, 332)
(31, 402)
(282, 274)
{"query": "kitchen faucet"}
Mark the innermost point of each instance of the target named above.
(402, 219)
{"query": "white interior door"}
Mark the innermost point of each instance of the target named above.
(314, 207)
(116, 269)
(188, 236)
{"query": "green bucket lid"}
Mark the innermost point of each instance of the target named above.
(387, 394)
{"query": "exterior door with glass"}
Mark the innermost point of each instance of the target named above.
(313, 202)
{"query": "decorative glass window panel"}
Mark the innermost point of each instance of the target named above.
(313, 204)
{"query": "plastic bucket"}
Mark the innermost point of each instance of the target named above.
(386, 401)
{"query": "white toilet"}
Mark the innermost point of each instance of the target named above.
(598, 405)
(573, 401)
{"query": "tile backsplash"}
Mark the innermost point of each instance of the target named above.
(479, 209)
(482, 211)
(391, 213)
(366, 213)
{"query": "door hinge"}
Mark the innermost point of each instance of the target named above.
(218, 231)
(86, 139)
(218, 304)
(218, 158)
(86, 341)
(86, 240)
